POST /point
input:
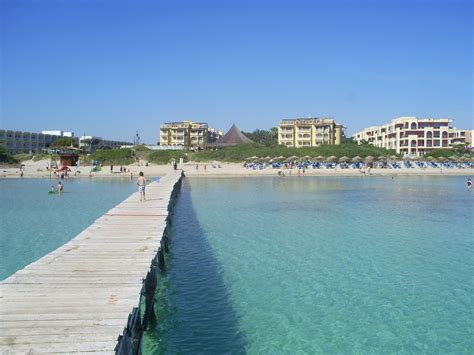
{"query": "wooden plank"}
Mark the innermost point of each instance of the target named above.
(77, 298)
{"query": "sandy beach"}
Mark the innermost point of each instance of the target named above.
(37, 169)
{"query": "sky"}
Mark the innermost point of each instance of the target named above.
(110, 68)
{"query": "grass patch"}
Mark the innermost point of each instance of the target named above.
(165, 156)
(113, 156)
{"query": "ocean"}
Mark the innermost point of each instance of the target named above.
(304, 265)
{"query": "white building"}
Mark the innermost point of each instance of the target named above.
(91, 143)
(412, 135)
(59, 133)
(24, 142)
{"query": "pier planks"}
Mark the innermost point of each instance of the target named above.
(78, 298)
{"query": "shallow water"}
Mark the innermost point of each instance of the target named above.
(34, 223)
(319, 265)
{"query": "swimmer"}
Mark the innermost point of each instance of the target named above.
(469, 184)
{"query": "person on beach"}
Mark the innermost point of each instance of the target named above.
(469, 184)
(141, 182)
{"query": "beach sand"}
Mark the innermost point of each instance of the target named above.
(37, 169)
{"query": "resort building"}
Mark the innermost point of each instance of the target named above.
(412, 136)
(309, 132)
(25, 142)
(187, 134)
(91, 143)
(59, 133)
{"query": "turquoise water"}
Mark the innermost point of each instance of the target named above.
(329, 265)
(34, 223)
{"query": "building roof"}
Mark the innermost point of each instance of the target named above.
(233, 137)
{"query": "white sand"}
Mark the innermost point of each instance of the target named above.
(38, 170)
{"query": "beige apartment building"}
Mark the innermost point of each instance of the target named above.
(309, 132)
(413, 136)
(187, 134)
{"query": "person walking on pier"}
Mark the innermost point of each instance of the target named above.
(141, 182)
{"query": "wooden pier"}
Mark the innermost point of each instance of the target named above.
(78, 298)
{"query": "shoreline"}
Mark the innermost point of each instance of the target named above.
(227, 170)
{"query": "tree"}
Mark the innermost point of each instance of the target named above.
(64, 142)
(264, 137)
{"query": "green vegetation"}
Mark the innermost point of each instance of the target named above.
(242, 152)
(113, 156)
(263, 137)
(64, 142)
(165, 156)
(6, 157)
(458, 151)
(22, 156)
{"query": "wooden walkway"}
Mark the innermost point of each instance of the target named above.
(78, 298)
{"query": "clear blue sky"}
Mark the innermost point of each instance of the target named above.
(108, 68)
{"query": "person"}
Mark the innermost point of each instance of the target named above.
(141, 182)
(60, 187)
(52, 189)
(111, 169)
(469, 184)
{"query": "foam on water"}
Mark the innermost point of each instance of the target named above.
(320, 265)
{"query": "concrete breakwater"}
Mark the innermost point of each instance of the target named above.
(78, 298)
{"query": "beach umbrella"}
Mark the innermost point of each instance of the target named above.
(293, 157)
(343, 159)
(382, 158)
(331, 158)
(356, 159)
(430, 158)
(307, 157)
(318, 158)
(394, 157)
(369, 158)
(453, 158)
(442, 159)
(281, 157)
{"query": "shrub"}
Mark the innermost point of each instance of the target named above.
(6, 157)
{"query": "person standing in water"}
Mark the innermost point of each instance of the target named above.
(141, 182)
(469, 184)
(60, 187)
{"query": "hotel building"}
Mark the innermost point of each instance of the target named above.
(91, 143)
(309, 132)
(25, 142)
(187, 134)
(412, 136)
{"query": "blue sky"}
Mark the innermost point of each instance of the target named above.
(109, 68)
